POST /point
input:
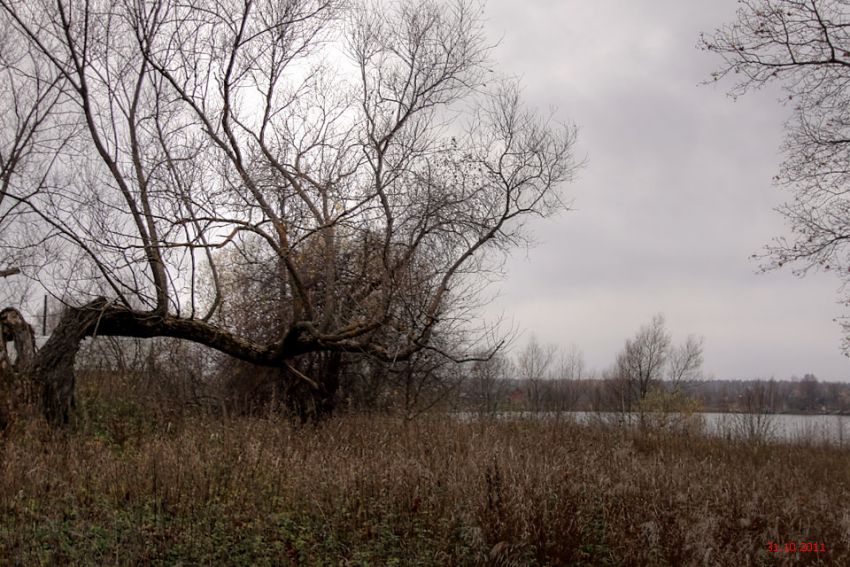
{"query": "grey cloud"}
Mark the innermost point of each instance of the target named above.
(676, 195)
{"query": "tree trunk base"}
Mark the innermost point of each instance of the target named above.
(54, 363)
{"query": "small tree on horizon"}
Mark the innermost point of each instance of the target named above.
(650, 373)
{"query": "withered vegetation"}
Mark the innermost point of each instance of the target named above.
(135, 481)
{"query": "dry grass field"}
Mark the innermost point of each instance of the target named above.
(127, 485)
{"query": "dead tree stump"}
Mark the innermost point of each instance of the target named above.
(16, 328)
(16, 378)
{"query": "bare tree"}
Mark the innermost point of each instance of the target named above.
(755, 421)
(424, 381)
(685, 362)
(809, 393)
(368, 149)
(533, 367)
(28, 135)
(570, 370)
(650, 366)
(805, 47)
(641, 363)
(488, 383)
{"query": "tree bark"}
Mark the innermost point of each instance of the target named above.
(7, 383)
(5, 361)
(54, 365)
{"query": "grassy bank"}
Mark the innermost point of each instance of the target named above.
(121, 488)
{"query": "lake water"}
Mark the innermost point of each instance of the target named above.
(831, 429)
(834, 429)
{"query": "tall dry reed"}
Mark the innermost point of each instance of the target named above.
(125, 487)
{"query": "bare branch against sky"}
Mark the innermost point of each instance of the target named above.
(676, 197)
(366, 155)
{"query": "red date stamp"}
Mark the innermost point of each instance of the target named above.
(796, 547)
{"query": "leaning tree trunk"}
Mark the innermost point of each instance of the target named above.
(53, 367)
(54, 364)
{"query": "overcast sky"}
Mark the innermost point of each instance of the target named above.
(675, 197)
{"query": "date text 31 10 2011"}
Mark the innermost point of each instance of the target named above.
(795, 547)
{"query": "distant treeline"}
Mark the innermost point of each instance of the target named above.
(807, 395)
(179, 373)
